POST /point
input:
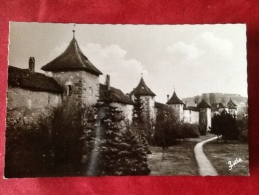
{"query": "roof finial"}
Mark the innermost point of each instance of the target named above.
(174, 88)
(141, 74)
(74, 31)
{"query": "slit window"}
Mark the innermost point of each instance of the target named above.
(69, 90)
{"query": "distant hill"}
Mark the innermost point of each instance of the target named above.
(212, 98)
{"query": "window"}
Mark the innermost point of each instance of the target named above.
(90, 91)
(69, 90)
(68, 85)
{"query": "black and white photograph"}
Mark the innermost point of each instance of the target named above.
(126, 100)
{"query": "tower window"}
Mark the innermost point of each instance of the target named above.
(90, 91)
(69, 90)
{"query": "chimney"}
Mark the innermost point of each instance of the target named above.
(167, 97)
(108, 82)
(32, 64)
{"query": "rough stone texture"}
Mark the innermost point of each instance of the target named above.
(178, 110)
(190, 116)
(85, 86)
(205, 118)
(18, 97)
(127, 112)
(148, 103)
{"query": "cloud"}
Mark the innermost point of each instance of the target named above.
(185, 51)
(113, 60)
(210, 41)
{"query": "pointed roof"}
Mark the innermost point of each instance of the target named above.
(71, 59)
(174, 99)
(231, 104)
(142, 89)
(203, 104)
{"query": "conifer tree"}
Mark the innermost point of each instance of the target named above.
(119, 152)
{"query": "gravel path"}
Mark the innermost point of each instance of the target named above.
(205, 166)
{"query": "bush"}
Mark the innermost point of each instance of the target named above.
(28, 151)
(187, 130)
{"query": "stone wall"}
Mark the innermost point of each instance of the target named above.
(18, 97)
(127, 111)
(26, 107)
(178, 110)
(84, 86)
(148, 103)
(205, 118)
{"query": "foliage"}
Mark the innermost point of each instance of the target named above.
(225, 125)
(28, 151)
(167, 129)
(187, 130)
(118, 152)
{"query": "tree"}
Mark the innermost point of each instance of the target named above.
(140, 123)
(165, 128)
(118, 152)
(225, 125)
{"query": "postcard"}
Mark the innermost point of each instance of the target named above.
(126, 100)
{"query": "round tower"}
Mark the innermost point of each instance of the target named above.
(147, 98)
(76, 74)
(177, 105)
(204, 116)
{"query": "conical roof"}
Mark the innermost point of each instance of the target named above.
(174, 99)
(231, 104)
(142, 89)
(71, 59)
(203, 104)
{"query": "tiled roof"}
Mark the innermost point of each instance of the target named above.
(159, 105)
(142, 89)
(216, 106)
(203, 104)
(174, 99)
(116, 95)
(71, 59)
(24, 78)
(231, 104)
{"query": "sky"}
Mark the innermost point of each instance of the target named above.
(190, 59)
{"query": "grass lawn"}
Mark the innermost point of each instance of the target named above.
(220, 153)
(178, 160)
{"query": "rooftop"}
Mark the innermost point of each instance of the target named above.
(174, 99)
(71, 59)
(203, 104)
(116, 95)
(231, 104)
(142, 89)
(24, 78)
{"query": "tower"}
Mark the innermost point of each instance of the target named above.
(177, 105)
(204, 116)
(232, 108)
(147, 99)
(76, 74)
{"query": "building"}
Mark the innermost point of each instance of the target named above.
(177, 105)
(71, 78)
(147, 98)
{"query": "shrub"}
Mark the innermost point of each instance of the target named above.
(28, 151)
(187, 130)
